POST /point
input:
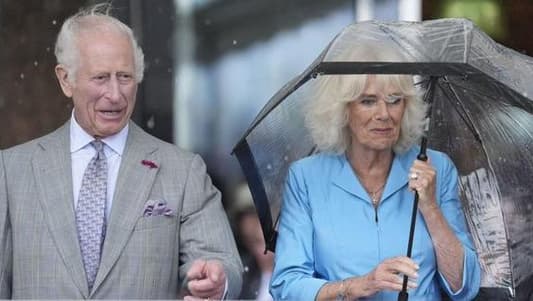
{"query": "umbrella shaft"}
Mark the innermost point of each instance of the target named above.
(403, 296)
(409, 246)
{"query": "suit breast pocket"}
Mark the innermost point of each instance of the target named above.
(151, 222)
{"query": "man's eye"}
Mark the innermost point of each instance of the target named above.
(100, 77)
(125, 77)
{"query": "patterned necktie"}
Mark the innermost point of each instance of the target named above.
(90, 211)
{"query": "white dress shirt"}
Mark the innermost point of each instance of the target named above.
(262, 292)
(82, 152)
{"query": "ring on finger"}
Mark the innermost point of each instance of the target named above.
(413, 176)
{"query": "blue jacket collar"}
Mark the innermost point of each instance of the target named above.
(346, 179)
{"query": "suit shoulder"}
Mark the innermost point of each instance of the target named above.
(30, 146)
(25, 149)
(166, 149)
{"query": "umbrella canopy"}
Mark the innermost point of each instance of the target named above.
(482, 117)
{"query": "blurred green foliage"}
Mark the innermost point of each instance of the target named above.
(486, 14)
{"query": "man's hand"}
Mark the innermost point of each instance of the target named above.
(206, 280)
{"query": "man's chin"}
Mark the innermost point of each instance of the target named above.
(103, 132)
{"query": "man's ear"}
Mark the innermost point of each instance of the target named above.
(64, 81)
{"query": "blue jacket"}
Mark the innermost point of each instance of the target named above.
(329, 229)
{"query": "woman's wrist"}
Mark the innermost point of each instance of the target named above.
(429, 209)
(346, 290)
(341, 292)
(356, 287)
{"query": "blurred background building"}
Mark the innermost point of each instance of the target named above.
(211, 64)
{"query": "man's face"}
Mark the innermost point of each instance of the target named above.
(105, 88)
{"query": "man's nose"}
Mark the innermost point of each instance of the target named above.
(113, 89)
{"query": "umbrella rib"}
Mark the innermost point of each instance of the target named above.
(489, 162)
(463, 113)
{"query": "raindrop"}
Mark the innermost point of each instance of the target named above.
(35, 63)
(47, 49)
(246, 269)
(269, 167)
(286, 158)
(54, 22)
(151, 122)
(207, 21)
(22, 76)
(234, 42)
(157, 60)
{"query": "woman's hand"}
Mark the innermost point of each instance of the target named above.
(422, 178)
(388, 275)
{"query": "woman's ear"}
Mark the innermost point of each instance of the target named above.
(64, 81)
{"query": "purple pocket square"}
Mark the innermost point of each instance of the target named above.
(157, 208)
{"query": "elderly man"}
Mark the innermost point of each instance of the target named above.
(99, 208)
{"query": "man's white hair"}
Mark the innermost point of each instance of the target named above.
(93, 18)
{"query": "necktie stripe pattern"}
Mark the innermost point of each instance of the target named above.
(90, 211)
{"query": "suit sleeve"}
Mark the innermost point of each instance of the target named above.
(453, 212)
(205, 232)
(5, 238)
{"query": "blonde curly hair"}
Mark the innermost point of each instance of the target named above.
(326, 114)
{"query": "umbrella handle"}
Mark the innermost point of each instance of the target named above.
(403, 295)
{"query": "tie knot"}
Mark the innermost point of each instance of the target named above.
(98, 146)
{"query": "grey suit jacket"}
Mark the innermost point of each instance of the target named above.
(142, 257)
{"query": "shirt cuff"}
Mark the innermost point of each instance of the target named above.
(447, 285)
(225, 290)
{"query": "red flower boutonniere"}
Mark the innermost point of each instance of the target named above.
(149, 163)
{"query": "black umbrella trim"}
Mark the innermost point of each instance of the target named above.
(255, 182)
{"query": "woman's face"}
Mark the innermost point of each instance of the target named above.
(375, 116)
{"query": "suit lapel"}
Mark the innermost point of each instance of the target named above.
(53, 176)
(134, 183)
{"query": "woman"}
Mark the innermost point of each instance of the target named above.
(346, 212)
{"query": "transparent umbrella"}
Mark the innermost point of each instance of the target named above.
(482, 117)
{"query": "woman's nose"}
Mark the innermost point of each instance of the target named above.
(382, 110)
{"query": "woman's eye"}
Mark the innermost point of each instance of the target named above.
(394, 98)
(368, 100)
